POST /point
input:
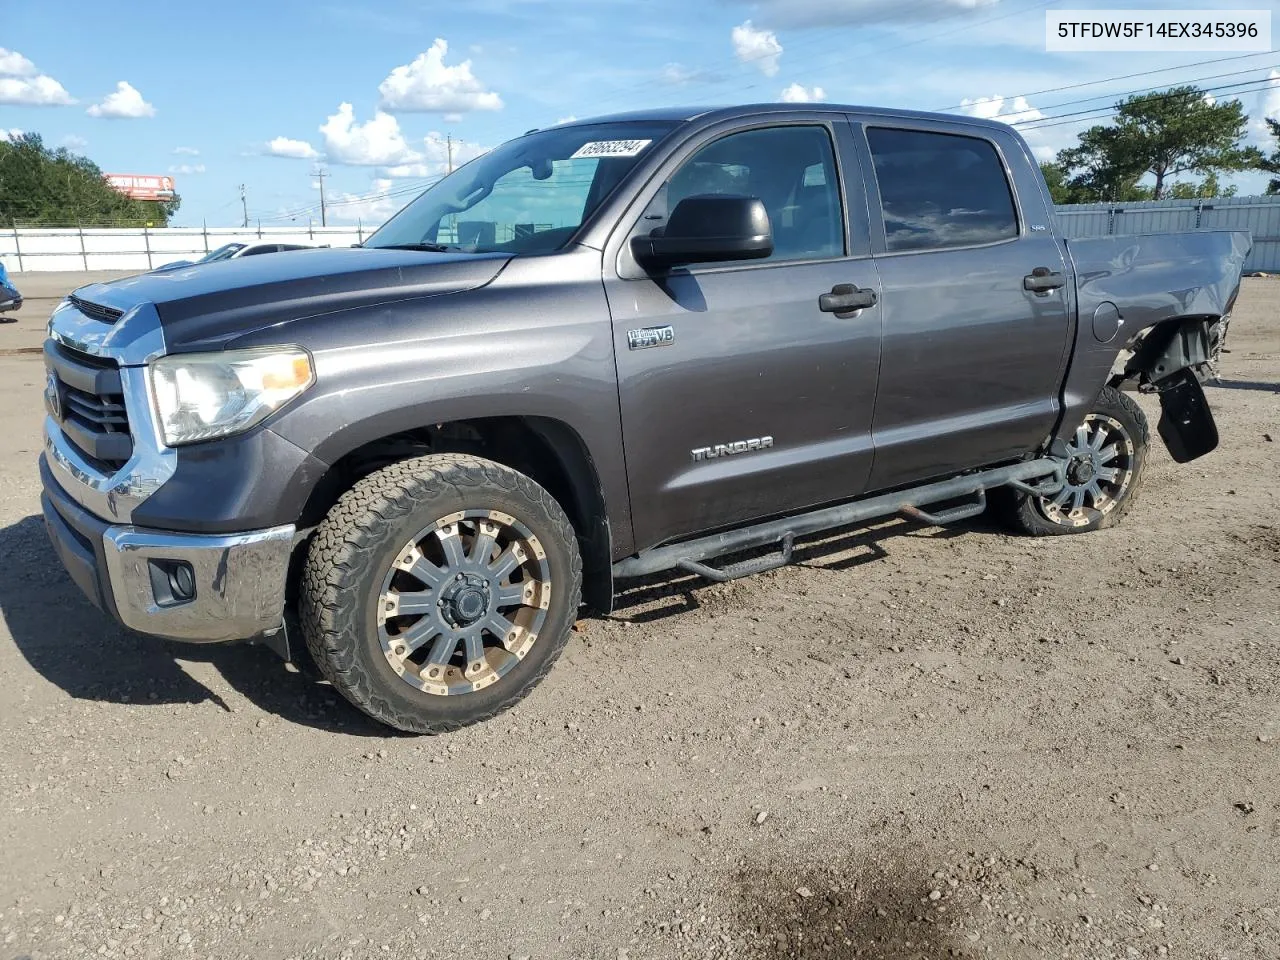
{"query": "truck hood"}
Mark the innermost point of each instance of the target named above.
(203, 306)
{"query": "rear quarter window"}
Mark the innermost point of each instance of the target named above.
(940, 190)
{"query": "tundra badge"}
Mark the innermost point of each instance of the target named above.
(647, 337)
(732, 449)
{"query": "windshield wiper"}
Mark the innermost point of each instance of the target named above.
(428, 247)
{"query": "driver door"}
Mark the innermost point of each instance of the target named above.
(740, 397)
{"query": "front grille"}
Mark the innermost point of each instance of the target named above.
(96, 310)
(87, 400)
(105, 412)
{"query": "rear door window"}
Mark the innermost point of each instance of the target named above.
(940, 190)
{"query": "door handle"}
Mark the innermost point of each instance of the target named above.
(1042, 280)
(846, 299)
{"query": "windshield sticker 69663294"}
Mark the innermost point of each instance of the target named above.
(610, 148)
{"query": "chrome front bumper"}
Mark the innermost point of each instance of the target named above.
(237, 581)
(197, 587)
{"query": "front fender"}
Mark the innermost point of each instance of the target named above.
(535, 343)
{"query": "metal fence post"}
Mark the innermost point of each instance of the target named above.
(84, 256)
(146, 237)
(360, 229)
(310, 233)
(17, 247)
(204, 229)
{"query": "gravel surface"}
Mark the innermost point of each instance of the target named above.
(915, 743)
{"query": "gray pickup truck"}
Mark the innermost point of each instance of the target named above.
(659, 341)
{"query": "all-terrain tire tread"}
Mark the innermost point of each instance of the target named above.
(1022, 512)
(359, 524)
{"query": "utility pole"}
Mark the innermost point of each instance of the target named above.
(449, 144)
(320, 173)
(244, 205)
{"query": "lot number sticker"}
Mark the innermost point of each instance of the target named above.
(610, 148)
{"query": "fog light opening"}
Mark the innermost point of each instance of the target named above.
(173, 582)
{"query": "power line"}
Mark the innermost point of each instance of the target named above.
(843, 52)
(1129, 76)
(1250, 86)
(1143, 90)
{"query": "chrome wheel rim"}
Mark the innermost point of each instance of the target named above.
(463, 602)
(1099, 470)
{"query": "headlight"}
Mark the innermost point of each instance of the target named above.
(199, 396)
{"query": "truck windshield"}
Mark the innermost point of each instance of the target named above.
(222, 253)
(530, 195)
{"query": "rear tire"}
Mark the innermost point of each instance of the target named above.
(1108, 460)
(439, 591)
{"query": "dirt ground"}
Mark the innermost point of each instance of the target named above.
(915, 743)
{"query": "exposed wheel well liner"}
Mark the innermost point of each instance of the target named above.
(1164, 348)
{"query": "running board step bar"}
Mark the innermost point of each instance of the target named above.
(1047, 475)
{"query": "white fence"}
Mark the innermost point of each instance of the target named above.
(140, 248)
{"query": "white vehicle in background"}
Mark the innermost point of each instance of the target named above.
(233, 251)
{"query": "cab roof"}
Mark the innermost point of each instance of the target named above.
(715, 113)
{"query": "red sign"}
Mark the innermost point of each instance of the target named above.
(142, 186)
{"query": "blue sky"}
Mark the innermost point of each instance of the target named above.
(222, 95)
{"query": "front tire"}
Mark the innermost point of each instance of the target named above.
(439, 591)
(1108, 457)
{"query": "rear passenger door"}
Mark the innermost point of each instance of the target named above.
(972, 361)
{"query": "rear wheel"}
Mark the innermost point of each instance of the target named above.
(1107, 456)
(439, 591)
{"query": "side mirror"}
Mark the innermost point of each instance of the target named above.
(707, 229)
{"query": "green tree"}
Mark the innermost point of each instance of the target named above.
(1271, 164)
(1206, 188)
(1058, 181)
(56, 188)
(1161, 135)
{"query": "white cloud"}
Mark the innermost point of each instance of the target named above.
(11, 134)
(569, 119)
(1268, 108)
(372, 209)
(758, 47)
(21, 84)
(811, 13)
(677, 75)
(1005, 109)
(429, 85)
(293, 149)
(1044, 143)
(799, 94)
(434, 159)
(186, 152)
(73, 142)
(14, 64)
(187, 168)
(125, 103)
(377, 142)
(40, 91)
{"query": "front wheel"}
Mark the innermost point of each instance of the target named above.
(1107, 456)
(439, 591)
